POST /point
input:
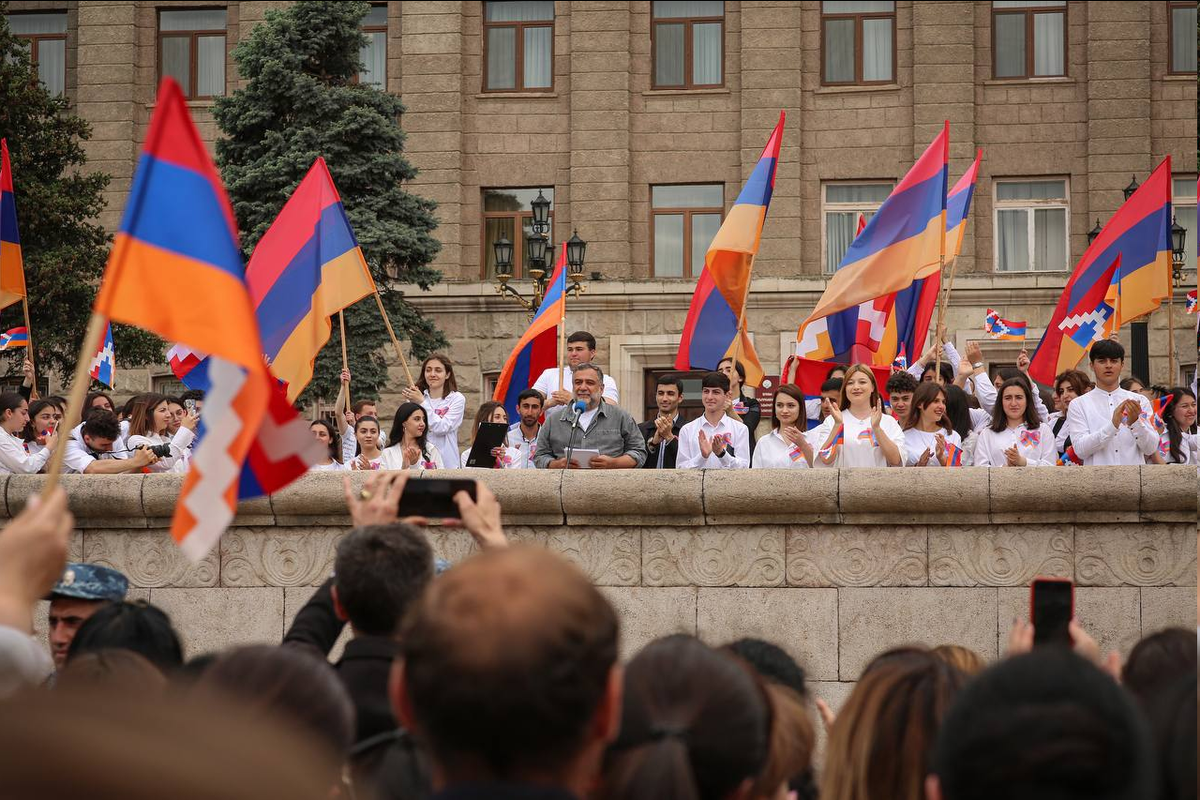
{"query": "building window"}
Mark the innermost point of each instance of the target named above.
(373, 54)
(518, 46)
(1029, 38)
(683, 221)
(842, 204)
(687, 38)
(1181, 26)
(505, 212)
(1183, 203)
(858, 43)
(47, 37)
(490, 379)
(168, 385)
(1031, 226)
(191, 49)
(689, 409)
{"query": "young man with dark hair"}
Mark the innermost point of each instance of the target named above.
(90, 448)
(900, 387)
(1110, 425)
(603, 428)
(662, 432)
(581, 349)
(831, 395)
(714, 440)
(523, 434)
(82, 590)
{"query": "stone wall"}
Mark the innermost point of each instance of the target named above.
(834, 565)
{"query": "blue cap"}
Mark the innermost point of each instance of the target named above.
(91, 582)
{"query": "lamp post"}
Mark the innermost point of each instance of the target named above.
(1178, 252)
(1094, 232)
(538, 255)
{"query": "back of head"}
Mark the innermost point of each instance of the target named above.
(1158, 660)
(109, 670)
(1172, 716)
(694, 724)
(1047, 725)
(380, 570)
(506, 660)
(957, 410)
(881, 743)
(136, 626)
(771, 662)
(962, 658)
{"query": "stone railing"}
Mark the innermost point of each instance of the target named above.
(834, 565)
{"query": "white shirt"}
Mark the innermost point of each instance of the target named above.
(1189, 448)
(393, 458)
(350, 443)
(444, 416)
(1060, 439)
(985, 390)
(917, 442)
(332, 466)
(547, 384)
(1038, 447)
(180, 442)
(775, 452)
(855, 451)
(689, 456)
(14, 458)
(78, 456)
(1097, 442)
(526, 448)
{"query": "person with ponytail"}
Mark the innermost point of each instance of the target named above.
(14, 458)
(409, 447)
(1178, 443)
(1016, 437)
(929, 437)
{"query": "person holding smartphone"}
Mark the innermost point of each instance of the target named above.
(149, 427)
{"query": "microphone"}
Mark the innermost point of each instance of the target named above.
(576, 414)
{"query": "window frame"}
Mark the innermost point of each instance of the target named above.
(858, 49)
(194, 52)
(843, 208)
(1030, 205)
(35, 38)
(520, 52)
(1029, 12)
(1171, 6)
(687, 227)
(1186, 201)
(377, 29)
(690, 409)
(518, 218)
(689, 83)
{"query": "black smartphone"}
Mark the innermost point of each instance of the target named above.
(433, 497)
(1051, 607)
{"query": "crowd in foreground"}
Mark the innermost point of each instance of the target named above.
(499, 677)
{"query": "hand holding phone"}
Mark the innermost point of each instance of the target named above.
(1051, 609)
(433, 498)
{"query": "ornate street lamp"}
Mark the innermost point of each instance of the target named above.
(1094, 232)
(1178, 253)
(576, 247)
(541, 213)
(1132, 187)
(538, 257)
(502, 248)
(535, 255)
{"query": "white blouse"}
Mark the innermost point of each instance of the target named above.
(332, 466)
(393, 458)
(15, 459)
(444, 416)
(917, 442)
(775, 452)
(858, 448)
(180, 442)
(1189, 448)
(1037, 446)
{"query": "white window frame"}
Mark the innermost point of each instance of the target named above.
(1011, 205)
(843, 208)
(1186, 201)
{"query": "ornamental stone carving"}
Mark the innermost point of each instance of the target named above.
(999, 555)
(149, 558)
(848, 555)
(1136, 555)
(713, 556)
(256, 556)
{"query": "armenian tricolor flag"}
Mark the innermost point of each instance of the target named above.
(16, 337)
(12, 270)
(954, 455)
(711, 332)
(999, 328)
(827, 453)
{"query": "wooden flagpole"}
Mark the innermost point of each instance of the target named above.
(79, 387)
(395, 341)
(33, 392)
(562, 344)
(344, 392)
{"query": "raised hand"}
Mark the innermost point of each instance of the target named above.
(924, 459)
(706, 447)
(1023, 361)
(877, 413)
(940, 452)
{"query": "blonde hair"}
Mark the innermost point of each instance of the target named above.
(964, 658)
(854, 369)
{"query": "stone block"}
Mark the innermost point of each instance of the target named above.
(871, 621)
(1136, 555)
(527, 497)
(835, 694)
(713, 556)
(1168, 606)
(1026, 494)
(1169, 492)
(785, 496)
(999, 555)
(149, 558)
(856, 555)
(294, 598)
(316, 498)
(804, 622)
(885, 495)
(609, 556)
(632, 497)
(209, 620)
(1110, 616)
(276, 556)
(647, 614)
(113, 501)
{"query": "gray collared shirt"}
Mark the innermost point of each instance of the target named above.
(612, 432)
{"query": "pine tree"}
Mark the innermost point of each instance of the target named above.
(62, 246)
(300, 100)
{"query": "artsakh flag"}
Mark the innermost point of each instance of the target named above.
(16, 337)
(1190, 302)
(104, 363)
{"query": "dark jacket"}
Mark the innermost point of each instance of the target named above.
(670, 449)
(750, 417)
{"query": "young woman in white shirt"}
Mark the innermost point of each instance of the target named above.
(1017, 437)
(929, 437)
(366, 433)
(857, 433)
(505, 457)
(409, 447)
(787, 445)
(437, 392)
(41, 422)
(1178, 443)
(148, 427)
(14, 458)
(323, 431)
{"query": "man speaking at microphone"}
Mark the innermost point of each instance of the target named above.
(590, 426)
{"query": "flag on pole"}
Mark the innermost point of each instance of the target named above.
(178, 230)
(104, 363)
(901, 361)
(537, 349)
(955, 455)
(15, 337)
(711, 332)
(1190, 302)
(999, 328)
(12, 270)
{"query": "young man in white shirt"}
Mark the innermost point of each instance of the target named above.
(581, 349)
(715, 440)
(523, 434)
(90, 448)
(1110, 425)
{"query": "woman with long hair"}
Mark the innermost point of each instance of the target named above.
(14, 458)
(787, 445)
(1178, 443)
(437, 392)
(1067, 386)
(1016, 436)
(857, 433)
(505, 457)
(41, 423)
(148, 427)
(409, 447)
(323, 430)
(370, 449)
(929, 438)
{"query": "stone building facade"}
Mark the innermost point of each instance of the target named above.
(607, 102)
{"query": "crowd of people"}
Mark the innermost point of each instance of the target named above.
(499, 677)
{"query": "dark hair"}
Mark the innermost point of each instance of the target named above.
(901, 381)
(92, 397)
(173, 400)
(484, 414)
(57, 400)
(142, 421)
(715, 380)
(130, 625)
(451, 384)
(192, 394)
(836, 368)
(396, 435)
(1157, 660)
(694, 724)
(670, 379)
(507, 658)
(1174, 432)
(1127, 383)
(287, 683)
(1077, 380)
(36, 407)
(1108, 348)
(358, 405)
(127, 409)
(737, 366)
(1000, 418)
(792, 391)
(926, 393)
(1047, 725)
(957, 410)
(10, 401)
(108, 670)
(360, 421)
(771, 661)
(946, 370)
(582, 336)
(101, 424)
(531, 394)
(335, 446)
(379, 570)
(1172, 717)
(831, 385)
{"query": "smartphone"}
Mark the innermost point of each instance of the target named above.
(190, 405)
(1051, 608)
(434, 497)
